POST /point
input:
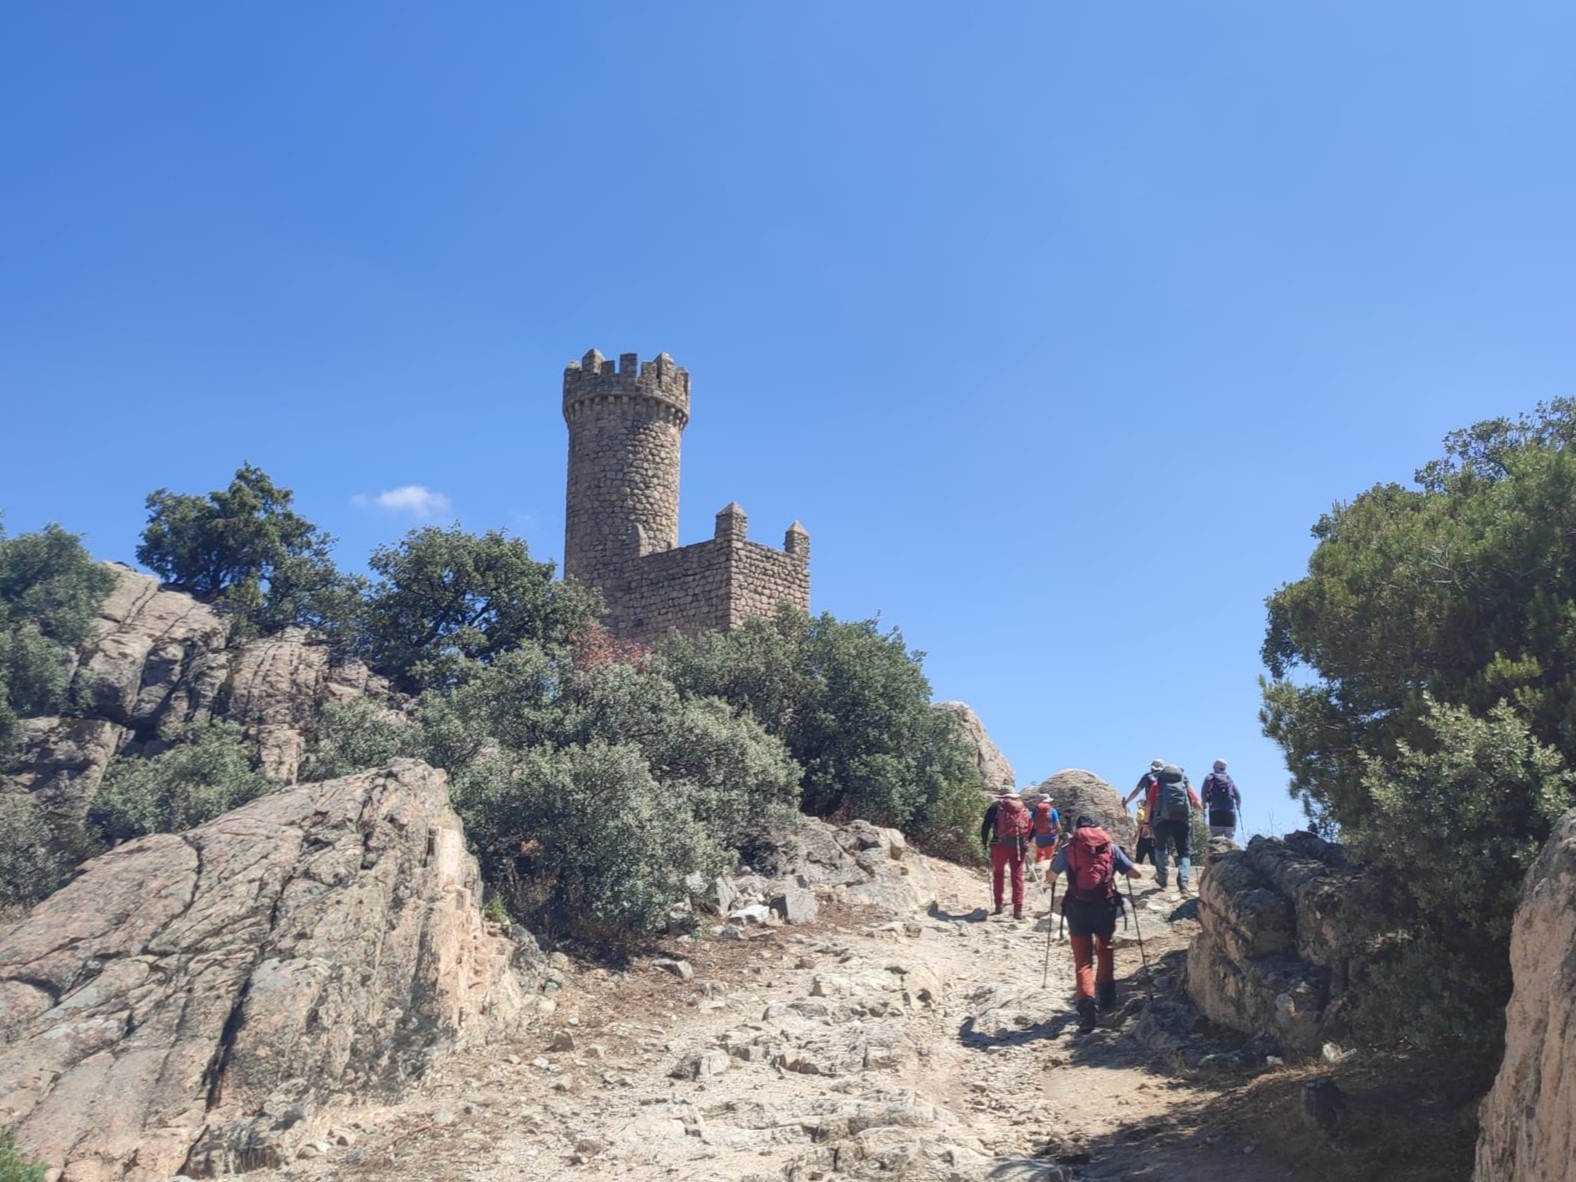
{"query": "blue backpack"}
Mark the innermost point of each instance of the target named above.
(1220, 795)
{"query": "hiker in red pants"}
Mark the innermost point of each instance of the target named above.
(1091, 860)
(1005, 832)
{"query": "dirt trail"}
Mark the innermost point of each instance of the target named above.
(865, 1045)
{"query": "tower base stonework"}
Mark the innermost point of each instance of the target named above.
(621, 512)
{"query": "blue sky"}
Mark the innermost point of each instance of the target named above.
(1057, 328)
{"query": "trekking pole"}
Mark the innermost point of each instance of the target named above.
(1149, 981)
(1045, 977)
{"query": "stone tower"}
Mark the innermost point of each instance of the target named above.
(621, 516)
(624, 432)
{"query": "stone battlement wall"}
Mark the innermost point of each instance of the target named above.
(715, 584)
(594, 377)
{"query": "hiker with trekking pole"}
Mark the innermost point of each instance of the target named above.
(1091, 861)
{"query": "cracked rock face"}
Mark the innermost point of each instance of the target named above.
(190, 1002)
(992, 764)
(1528, 1120)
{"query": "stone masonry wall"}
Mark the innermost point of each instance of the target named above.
(759, 578)
(621, 511)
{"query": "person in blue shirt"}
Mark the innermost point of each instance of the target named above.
(1091, 860)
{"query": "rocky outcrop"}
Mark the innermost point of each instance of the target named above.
(190, 1003)
(862, 863)
(1272, 955)
(1073, 791)
(61, 761)
(993, 766)
(279, 686)
(158, 660)
(155, 657)
(1528, 1120)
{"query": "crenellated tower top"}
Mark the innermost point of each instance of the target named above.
(594, 378)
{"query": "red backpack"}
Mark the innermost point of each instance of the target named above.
(1013, 823)
(1091, 870)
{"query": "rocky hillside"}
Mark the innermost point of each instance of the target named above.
(158, 659)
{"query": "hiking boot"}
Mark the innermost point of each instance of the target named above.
(1184, 888)
(1017, 912)
(998, 910)
(1105, 991)
(1088, 1015)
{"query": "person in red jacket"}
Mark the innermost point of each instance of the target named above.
(1006, 832)
(1092, 860)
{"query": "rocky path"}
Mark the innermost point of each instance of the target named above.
(864, 1045)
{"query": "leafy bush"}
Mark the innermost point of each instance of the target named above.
(590, 793)
(36, 857)
(50, 588)
(1445, 851)
(583, 838)
(853, 706)
(355, 735)
(208, 770)
(13, 1166)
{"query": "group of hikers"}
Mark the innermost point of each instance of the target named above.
(1090, 860)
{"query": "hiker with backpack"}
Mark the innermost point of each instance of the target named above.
(1006, 833)
(1169, 806)
(1091, 861)
(1145, 782)
(1047, 829)
(1222, 802)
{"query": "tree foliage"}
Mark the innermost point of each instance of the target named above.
(852, 704)
(50, 588)
(246, 549)
(1437, 624)
(1448, 842)
(444, 597)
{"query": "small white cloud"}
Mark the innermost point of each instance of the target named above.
(415, 499)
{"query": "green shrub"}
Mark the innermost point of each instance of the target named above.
(852, 704)
(50, 588)
(207, 771)
(355, 735)
(582, 840)
(35, 856)
(13, 1166)
(1444, 855)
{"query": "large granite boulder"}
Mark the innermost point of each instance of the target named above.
(993, 766)
(1272, 955)
(155, 656)
(1074, 791)
(279, 686)
(1527, 1124)
(191, 1002)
